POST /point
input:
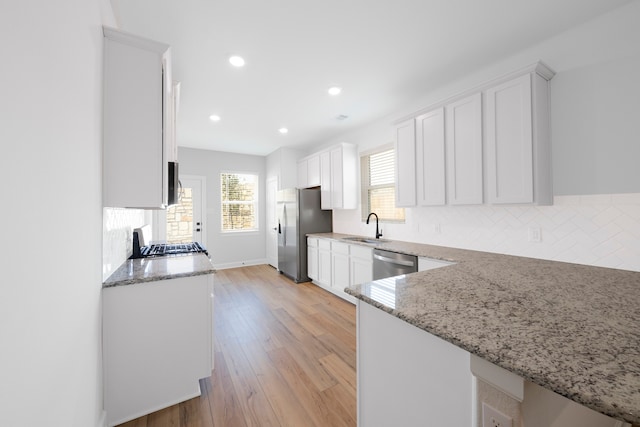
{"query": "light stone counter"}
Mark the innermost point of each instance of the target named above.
(159, 268)
(570, 328)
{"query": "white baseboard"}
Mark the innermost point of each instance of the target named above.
(240, 264)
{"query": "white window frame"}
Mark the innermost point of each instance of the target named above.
(255, 202)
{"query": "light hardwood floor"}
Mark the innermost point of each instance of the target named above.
(285, 355)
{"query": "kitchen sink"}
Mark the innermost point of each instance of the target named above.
(365, 240)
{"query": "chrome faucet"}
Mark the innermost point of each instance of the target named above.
(378, 232)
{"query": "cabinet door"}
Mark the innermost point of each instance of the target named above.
(337, 184)
(430, 158)
(350, 188)
(324, 267)
(174, 335)
(136, 87)
(302, 174)
(172, 122)
(312, 258)
(464, 150)
(340, 271)
(405, 136)
(325, 180)
(510, 142)
(361, 271)
(313, 171)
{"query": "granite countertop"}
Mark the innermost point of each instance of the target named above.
(570, 328)
(160, 268)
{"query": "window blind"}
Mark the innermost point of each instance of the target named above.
(378, 186)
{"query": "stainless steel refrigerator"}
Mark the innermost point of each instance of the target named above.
(299, 214)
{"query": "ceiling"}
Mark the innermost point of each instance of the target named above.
(382, 53)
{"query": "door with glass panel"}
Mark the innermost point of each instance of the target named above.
(185, 220)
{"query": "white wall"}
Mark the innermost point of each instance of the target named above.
(227, 249)
(51, 216)
(594, 115)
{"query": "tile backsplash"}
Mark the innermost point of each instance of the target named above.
(599, 230)
(117, 236)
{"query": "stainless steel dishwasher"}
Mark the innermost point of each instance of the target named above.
(389, 264)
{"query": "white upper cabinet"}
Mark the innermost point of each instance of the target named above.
(430, 158)
(491, 143)
(313, 171)
(302, 173)
(405, 143)
(137, 90)
(309, 171)
(279, 166)
(517, 141)
(172, 122)
(464, 150)
(344, 177)
(337, 173)
(337, 178)
(325, 180)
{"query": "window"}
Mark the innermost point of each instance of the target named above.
(378, 186)
(239, 202)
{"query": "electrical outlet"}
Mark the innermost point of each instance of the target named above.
(535, 234)
(491, 417)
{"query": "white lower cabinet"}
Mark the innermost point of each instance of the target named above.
(157, 344)
(408, 377)
(361, 264)
(312, 258)
(324, 262)
(339, 265)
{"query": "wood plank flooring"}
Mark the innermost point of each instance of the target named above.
(285, 355)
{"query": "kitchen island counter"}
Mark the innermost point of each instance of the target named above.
(572, 329)
(142, 270)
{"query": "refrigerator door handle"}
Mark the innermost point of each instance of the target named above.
(284, 217)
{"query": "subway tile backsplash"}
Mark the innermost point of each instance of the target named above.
(599, 230)
(117, 236)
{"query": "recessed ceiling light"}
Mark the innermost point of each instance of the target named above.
(236, 61)
(335, 90)
(283, 130)
(214, 118)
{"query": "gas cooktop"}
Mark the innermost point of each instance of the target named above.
(168, 249)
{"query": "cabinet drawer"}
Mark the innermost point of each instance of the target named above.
(358, 251)
(340, 248)
(312, 242)
(324, 244)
